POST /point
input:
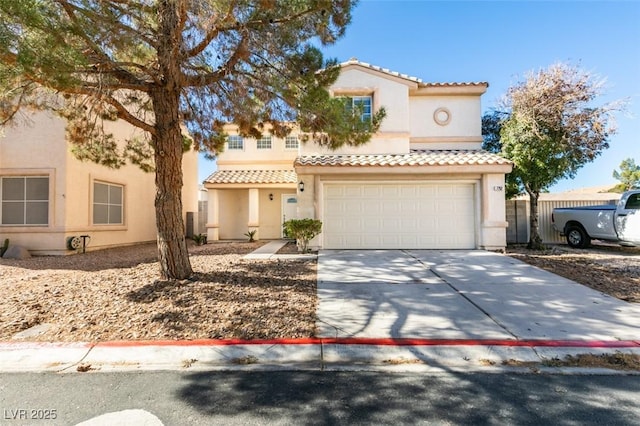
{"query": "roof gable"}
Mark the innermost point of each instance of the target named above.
(417, 83)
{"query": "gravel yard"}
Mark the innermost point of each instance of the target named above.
(115, 294)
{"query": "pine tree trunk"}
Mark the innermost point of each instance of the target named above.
(535, 242)
(172, 247)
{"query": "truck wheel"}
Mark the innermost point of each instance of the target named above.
(577, 237)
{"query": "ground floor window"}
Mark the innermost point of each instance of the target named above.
(24, 200)
(107, 204)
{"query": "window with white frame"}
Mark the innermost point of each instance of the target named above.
(361, 104)
(235, 142)
(264, 142)
(107, 204)
(24, 200)
(291, 142)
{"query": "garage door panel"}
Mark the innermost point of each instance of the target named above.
(421, 215)
(391, 208)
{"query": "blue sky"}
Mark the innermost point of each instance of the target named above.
(498, 42)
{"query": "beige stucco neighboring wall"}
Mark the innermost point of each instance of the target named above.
(40, 148)
(36, 147)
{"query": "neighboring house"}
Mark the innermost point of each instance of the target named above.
(422, 181)
(48, 196)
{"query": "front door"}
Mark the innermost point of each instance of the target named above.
(289, 208)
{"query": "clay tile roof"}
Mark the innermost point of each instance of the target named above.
(414, 158)
(253, 176)
(355, 61)
(453, 84)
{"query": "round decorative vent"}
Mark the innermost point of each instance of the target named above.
(442, 116)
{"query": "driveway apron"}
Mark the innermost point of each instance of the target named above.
(460, 294)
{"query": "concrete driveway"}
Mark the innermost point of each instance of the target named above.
(460, 294)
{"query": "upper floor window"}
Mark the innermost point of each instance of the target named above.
(24, 200)
(264, 142)
(362, 104)
(235, 142)
(107, 204)
(291, 142)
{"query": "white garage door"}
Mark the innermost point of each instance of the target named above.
(398, 216)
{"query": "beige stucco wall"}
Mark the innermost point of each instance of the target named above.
(252, 158)
(233, 214)
(387, 91)
(493, 224)
(40, 148)
(465, 117)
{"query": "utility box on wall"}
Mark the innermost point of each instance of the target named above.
(190, 224)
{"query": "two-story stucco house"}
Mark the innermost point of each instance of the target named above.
(421, 182)
(47, 196)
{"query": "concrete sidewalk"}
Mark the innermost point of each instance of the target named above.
(401, 310)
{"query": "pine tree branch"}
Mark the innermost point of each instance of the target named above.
(122, 112)
(104, 60)
(203, 80)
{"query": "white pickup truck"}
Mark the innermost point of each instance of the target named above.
(619, 223)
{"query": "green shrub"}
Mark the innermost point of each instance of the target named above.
(303, 230)
(4, 247)
(250, 235)
(200, 239)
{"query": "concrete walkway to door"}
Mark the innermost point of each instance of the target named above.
(460, 294)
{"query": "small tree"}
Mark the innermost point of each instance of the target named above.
(303, 230)
(550, 129)
(491, 126)
(629, 175)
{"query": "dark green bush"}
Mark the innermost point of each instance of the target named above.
(303, 230)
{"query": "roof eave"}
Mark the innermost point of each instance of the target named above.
(248, 185)
(455, 89)
(411, 82)
(417, 169)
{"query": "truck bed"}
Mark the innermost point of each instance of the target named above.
(601, 207)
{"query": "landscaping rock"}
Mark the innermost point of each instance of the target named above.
(16, 252)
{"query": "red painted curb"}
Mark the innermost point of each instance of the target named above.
(381, 342)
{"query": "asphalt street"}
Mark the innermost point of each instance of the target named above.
(314, 398)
